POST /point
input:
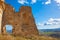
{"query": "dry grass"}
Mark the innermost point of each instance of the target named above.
(9, 37)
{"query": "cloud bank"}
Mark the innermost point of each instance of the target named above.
(58, 2)
(51, 21)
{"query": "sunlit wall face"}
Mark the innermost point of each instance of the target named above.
(1, 12)
(2, 0)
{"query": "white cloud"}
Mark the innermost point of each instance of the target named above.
(48, 2)
(58, 2)
(22, 1)
(33, 1)
(49, 24)
(26, 1)
(51, 21)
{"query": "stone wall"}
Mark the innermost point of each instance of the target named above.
(23, 21)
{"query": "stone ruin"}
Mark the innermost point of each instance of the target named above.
(23, 22)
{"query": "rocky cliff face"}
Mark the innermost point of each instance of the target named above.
(23, 21)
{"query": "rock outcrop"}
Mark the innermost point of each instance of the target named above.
(23, 21)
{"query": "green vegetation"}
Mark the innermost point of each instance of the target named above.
(9, 37)
(48, 32)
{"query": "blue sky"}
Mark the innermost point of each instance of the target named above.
(45, 12)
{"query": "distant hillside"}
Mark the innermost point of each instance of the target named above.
(50, 30)
(9, 31)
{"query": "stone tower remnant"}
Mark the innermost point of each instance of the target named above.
(23, 21)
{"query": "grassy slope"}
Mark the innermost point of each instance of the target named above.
(9, 37)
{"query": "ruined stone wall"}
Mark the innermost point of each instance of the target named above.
(23, 21)
(8, 17)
